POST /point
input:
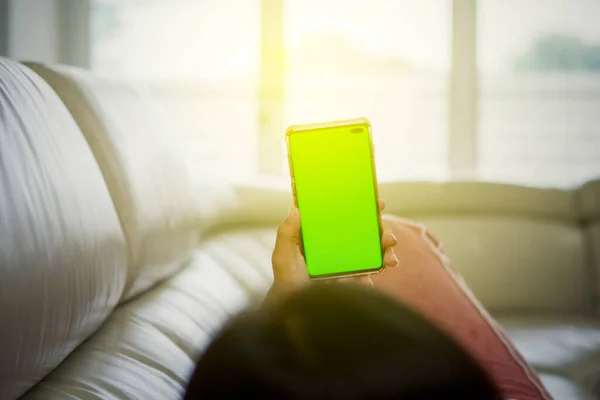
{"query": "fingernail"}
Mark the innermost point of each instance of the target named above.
(396, 261)
(292, 213)
(394, 238)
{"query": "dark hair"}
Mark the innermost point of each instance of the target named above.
(336, 341)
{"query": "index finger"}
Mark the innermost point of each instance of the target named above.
(286, 241)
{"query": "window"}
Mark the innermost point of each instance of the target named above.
(201, 59)
(384, 60)
(510, 93)
(539, 99)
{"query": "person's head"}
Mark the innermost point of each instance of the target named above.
(336, 341)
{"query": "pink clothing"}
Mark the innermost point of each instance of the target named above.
(425, 281)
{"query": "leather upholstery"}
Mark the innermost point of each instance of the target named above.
(479, 198)
(148, 348)
(62, 252)
(519, 249)
(249, 205)
(589, 200)
(589, 205)
(158, 204)
(593, 256)
(515, 264)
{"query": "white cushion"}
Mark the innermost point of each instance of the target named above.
(62, 252)
(159, 204)
(148, 347)
(516, 264)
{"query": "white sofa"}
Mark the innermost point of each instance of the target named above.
(116, 265)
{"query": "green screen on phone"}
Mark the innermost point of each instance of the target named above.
(335, 188)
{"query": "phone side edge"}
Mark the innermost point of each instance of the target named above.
(366, 272)
(328, 125)
(291, 130)
(376, 189)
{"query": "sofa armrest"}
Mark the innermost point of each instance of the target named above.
(258, 203)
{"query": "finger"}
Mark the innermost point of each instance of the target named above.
(286, 243)
(388, 239)
(362, 279)
(381, 205)
(390, 259)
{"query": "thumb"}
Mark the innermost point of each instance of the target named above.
(286, 244)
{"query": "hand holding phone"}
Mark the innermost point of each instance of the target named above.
(339, 232)
(289, 266)
(335, 188)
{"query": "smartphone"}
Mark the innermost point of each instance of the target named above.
(335, 189)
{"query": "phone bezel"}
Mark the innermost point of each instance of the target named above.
(362, 122)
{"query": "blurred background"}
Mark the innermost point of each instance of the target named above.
(504, 91)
